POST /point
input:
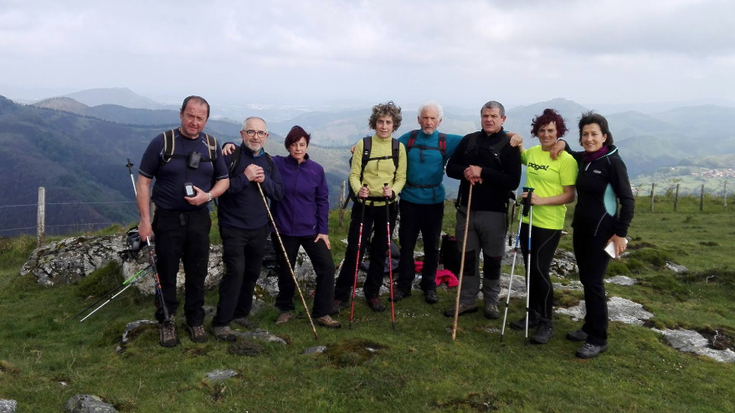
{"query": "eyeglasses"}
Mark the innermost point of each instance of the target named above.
(261, 133)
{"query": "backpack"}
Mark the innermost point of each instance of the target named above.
(367, 146)
(169, 145)
(449, 254)
(442, 143)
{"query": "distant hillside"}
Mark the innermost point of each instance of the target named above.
(115, 96)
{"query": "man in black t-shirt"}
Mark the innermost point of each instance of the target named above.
(181, 223)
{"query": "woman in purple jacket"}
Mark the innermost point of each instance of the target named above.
(301, 218)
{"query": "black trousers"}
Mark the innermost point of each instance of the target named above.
(543, 246)
(321, 259)
(426, 218)
(242, 252)
(375, 223)
(182, 236)
(592, 261)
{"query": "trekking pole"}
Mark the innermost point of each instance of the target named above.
(288, 262)
(157, 279)
(512, 216)
(357, 260)
(125, 285)
(390, 261)
(132, 179)
(461, 264)
(528, 210)
(512, 271)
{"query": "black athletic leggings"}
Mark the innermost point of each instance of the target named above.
(543, 246)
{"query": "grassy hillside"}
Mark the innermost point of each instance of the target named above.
(418, 367)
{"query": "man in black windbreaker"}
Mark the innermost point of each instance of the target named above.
(486, 160)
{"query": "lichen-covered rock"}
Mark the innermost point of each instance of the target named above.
(87, 403)
(692, 342)
(618, 309)
(69, 260)
(8, 406)
(621, 280)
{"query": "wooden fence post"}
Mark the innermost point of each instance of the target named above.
(701, 199)
(676, 197)
(653, 185)
(724, 195)
(341, 203)
(41, 218)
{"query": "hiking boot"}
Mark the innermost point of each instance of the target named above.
(430, 297)
(375, 304)
(491, 311)
(463, 309)
(328, 321)
(223, 333)
(197, 333)
(578, 335)
(399, 295)
(339, 305)
(533, 322)
(589, 350)
(167, 333)
(543, 334)
(245, 322)
(284, 317)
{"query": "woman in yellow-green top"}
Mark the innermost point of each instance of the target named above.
(377, 160)
(553, 184)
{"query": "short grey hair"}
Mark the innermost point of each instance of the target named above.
(494, 105)
(432, 104)
(255, 117)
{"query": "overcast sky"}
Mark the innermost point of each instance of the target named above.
(303, 52)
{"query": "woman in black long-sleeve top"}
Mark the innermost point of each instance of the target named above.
(602, 184)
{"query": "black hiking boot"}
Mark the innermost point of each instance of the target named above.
(577, 335)
(339, 305)
(533, 322)
(589, 350)
(399, 295)
(430, 297)
(543, 334)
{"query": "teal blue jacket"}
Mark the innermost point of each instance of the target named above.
(426, 167)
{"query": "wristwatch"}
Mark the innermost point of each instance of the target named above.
(209, 194)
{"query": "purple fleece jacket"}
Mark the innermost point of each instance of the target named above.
(304, 209)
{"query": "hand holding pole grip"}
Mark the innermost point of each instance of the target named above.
(527, 200)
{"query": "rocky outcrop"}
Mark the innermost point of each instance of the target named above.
(69, 260)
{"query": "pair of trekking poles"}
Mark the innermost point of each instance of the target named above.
(390, 260)
(526, 211)
(151, 268)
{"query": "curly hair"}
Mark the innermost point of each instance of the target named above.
(386, 109)
(295, 135)
(591, 117)
(549, 116)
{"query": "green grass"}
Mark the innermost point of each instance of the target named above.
(418, 367)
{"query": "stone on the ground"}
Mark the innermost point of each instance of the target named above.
(692, 342)
(259, 334)
(87, 403)
(8, 406)
(621, 280)
(129, 329)
(676, 267)
(315, 350)
(219, 375)
(618, 309)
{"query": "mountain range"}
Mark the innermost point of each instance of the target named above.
(78, 149)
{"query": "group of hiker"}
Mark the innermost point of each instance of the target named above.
(288, 195)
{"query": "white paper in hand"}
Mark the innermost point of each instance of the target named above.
(610, 248)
